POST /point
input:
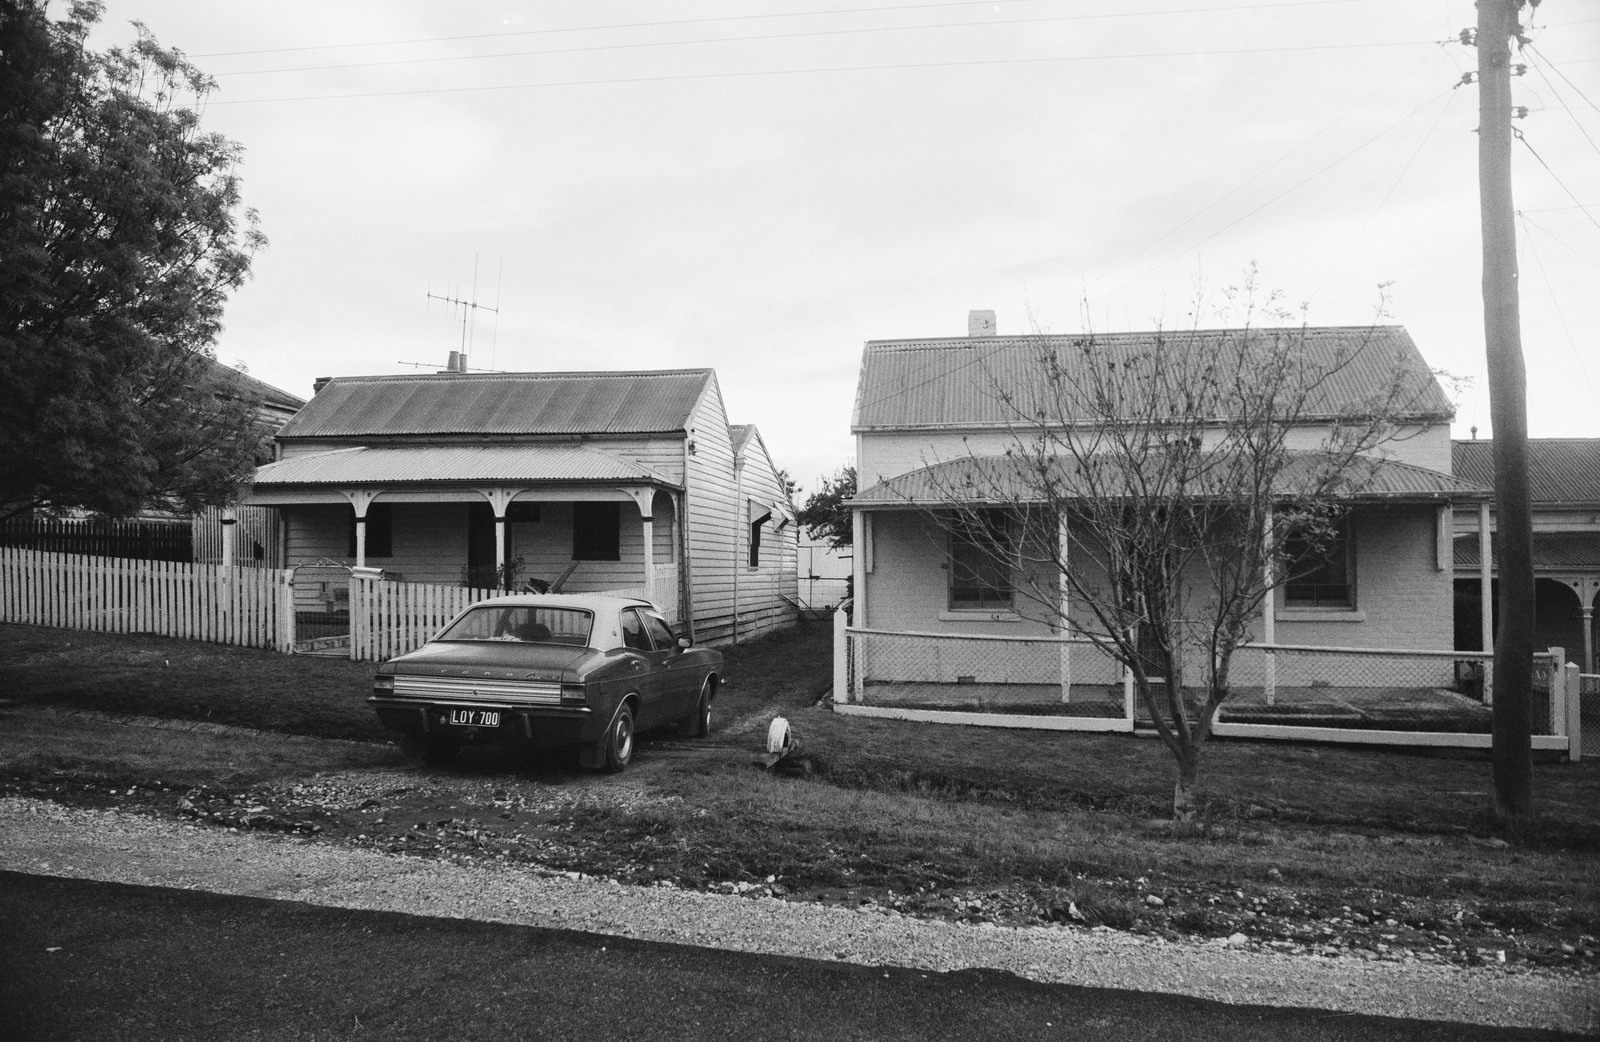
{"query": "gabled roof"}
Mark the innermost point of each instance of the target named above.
(414, 464)
(1006, 480)
(501, 403)
(740, 434)
(1560, 470)
(958, 382)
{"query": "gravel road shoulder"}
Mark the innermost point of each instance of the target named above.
(45, 838)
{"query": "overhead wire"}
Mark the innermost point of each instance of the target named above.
(1572, 344)
(767, 15)
(762, 73)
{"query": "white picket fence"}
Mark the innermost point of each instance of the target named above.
(250, 607)
(390, 618)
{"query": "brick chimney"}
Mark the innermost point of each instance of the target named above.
(980, 323)
(319, 383)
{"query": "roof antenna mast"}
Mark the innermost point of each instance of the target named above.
(469, 309)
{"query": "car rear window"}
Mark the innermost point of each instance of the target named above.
(528, 624)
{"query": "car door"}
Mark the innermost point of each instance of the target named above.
(646, 666)
(680, 682)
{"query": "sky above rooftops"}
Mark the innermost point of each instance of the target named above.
(760, 188)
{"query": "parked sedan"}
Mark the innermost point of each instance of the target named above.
(548, 670)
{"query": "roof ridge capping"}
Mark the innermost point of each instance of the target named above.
(917, 343)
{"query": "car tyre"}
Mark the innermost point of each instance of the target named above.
(701, 723)
(619, 740)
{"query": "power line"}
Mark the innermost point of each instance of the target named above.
(1556, 303)
(810, 33)
(1524, 139)
(755, 17)
(756, 73)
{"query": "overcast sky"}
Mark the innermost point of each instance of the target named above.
(759, 187)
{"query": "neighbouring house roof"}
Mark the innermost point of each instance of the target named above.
(1560, 470)
(962, 382)
(1004, 480)
(249, 385)
(412, 464)
(501, 403)
(1578, 551)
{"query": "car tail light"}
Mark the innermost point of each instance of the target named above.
(573, 694)
(383, 682)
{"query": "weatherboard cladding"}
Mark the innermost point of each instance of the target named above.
(501, 403)
(959, 381)
(453, 463)
(1000, 479)
(1560, 470)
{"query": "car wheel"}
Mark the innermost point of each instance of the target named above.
(698, 723)
(619, 740)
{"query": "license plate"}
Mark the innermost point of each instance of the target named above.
(472, 717)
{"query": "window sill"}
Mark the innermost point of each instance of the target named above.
(979, 615)
(1320, 615)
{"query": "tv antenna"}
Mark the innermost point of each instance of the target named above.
(469, 310)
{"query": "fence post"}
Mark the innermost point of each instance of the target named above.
(842, 691)
(286, 619)
(1572, 691)
(1557, 697)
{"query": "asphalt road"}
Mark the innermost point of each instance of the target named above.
(107, 961)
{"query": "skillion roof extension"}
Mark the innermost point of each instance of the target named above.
(958, 382)
(1560, 470)
(501, 403)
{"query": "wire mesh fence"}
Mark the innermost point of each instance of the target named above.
(1360, 688)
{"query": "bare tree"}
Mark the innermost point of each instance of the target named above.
(1181, 465)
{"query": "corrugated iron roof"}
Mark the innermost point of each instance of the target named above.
(410, 464)
(1560, 470)
(964, 381)
(501, 403)
(1579, 550)
(1004, 480)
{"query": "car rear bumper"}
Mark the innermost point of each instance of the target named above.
(528, 725)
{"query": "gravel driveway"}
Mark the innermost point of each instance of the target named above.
(46, 838)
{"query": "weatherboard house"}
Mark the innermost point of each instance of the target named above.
(926, 406)
(578, 482)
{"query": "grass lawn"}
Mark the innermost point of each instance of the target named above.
(1377, 850)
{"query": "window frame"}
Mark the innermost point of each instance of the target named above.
(1343, 546)
(998, 556)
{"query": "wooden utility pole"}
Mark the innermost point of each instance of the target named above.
(1508, 405)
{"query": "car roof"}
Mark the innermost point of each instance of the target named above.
(597, 602)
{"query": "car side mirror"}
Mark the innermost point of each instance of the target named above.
(684, 643)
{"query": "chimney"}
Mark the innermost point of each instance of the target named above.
(980, 323)
(319, 383)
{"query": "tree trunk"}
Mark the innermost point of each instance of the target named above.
(1186, 793)
(1511, 754)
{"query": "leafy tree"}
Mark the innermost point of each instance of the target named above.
(824, 515)
(1170, 465)
(121, 236)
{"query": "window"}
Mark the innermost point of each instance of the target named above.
(980, 561)
(756, 521)
(380, 531)
(660, 633)
(633, 631)
(597, 531)
(1319, 570)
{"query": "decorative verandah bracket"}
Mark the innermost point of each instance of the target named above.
(499, 502)
(361, 499)
(644, 497)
